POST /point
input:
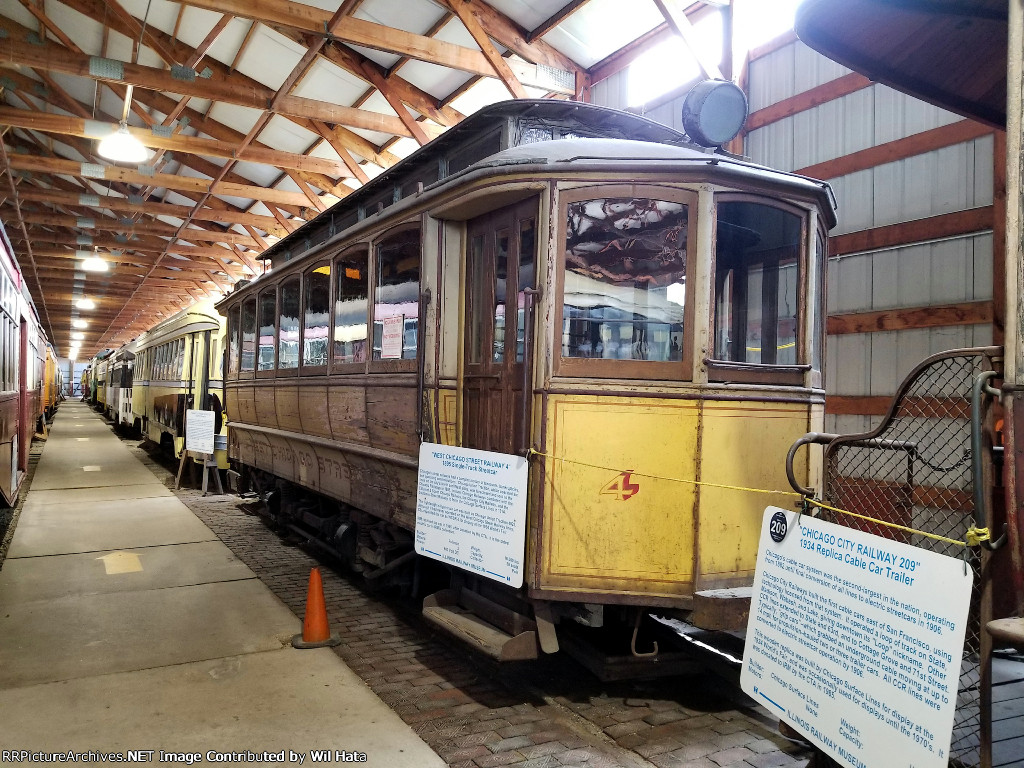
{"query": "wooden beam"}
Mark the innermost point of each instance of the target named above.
(53, 58)
(917, 231)
(683, 27)
(967, 313)
(138, 243)
(900, 149)
(170, 181)
(857, 405)
(801, 102)
(501, 67)
(119, 204)
(555, 19)
(92, 129)
(353, 31)
(508, 33)
(108, 224)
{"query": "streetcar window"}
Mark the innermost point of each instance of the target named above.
(396, 297)
(757, 283)
(316, 316)
(288, 344)
(818, 342)
(248, 358)
(527, 259)
(267, 324)
(625, 279)
(350, 292)
(233, 318)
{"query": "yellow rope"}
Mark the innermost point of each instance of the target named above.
(974, 535)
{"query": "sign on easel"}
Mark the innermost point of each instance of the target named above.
(856, 641)
(199, 431)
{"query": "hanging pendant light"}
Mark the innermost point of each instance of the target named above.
(121, 147)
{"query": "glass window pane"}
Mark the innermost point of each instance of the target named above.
(527, 258)
(268, 321)
(249, 334)
(396, 297)
(234, 317)
(288, 344)
(316, 316)
(501, 243)
(625, 279)
(350, 309)
(477, 293)
(757, 284)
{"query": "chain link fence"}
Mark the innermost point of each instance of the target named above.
(914, 470)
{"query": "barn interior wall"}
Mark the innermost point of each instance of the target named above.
(919, 273)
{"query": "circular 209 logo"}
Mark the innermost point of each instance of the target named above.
(778, 526)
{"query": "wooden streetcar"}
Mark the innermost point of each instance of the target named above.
(640, 316)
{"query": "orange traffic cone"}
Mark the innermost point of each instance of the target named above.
(315, 631)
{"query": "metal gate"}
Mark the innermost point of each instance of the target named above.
(915, 470)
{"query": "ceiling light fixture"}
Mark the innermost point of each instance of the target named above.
(78, 336)
(76, 323)
(94, 264)
(85, 304)
(120, 146)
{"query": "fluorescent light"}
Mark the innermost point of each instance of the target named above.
(78, 336)
(77, 323)
(121, 147)
(73, 353)
(94, 264)
(85, 304)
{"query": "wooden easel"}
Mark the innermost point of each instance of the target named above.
(209, 465)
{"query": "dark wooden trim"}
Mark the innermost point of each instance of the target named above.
(920, 495)
(967, 313)
(780, 42)
(919, 230)
(909, 146)
(801, 102)
(999, 237)
(854, 405)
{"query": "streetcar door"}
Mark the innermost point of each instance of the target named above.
(500, 277)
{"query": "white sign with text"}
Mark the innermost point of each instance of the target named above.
(471, 510)
(856, 641)
(392, 330)
(199, 431)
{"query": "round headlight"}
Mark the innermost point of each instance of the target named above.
(714, 112)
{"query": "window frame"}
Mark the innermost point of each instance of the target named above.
(400, 365)
(248, 373)
(344, 256)
(271, 372)
(578, 367)
(304, 368)
(729, 371)
(278, 370)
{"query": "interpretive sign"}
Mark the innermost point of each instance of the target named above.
(856, 641)
(471, 510)
(391, 337)
(199, 431)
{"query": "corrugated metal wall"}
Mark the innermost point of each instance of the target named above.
(947, 180)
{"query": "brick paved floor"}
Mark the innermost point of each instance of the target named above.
(477, 714)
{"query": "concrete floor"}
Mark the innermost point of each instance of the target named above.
(126, 625)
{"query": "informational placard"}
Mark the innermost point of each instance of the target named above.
(391, 337)
(199, 431)
(856, 641)
(471, 510)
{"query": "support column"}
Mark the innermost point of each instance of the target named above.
(1014, 281)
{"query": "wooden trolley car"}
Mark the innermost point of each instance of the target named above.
(638, 314)
(175, 366)
(23, 348)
